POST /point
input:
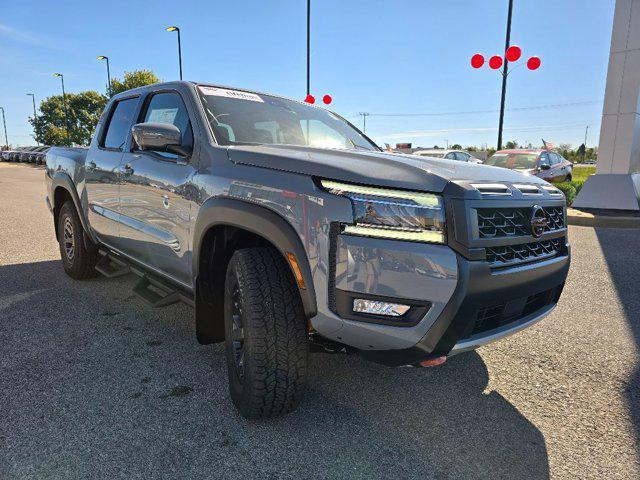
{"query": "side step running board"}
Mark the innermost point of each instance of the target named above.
(156, 293)
(111, 267)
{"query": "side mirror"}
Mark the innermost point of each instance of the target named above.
(545, 166)
(158, 137)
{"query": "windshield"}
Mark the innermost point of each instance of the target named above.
(518, 161)
(238, 117)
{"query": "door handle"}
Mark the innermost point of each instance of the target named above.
(126, 170)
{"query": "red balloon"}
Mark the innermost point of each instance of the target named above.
(495, 62)
(477, 60)
(533, 63)
(310, 99)
(327, 99)
(513, 53)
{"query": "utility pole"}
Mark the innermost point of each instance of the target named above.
(35, 116)
(364, 121)
(505, 72)
(586, 130)
(6, 139)
(308, 47)
(447, 141)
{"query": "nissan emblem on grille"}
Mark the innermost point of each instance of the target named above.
(538, 221)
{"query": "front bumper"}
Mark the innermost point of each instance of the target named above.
(524, 295)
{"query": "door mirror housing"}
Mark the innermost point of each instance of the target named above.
(159, 137)
(545, 166)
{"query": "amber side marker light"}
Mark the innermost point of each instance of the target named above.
(296, 270)
(433, 362)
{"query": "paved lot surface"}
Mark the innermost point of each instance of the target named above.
(93, 384)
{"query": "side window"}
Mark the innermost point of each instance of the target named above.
(450, 156)
(544, 160)
(169, 108)
(117, 130)
(555, 158)
(462, 156)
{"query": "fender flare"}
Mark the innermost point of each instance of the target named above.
(63, 180)
(263, 222)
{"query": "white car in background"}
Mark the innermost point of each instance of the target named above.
(459, 155)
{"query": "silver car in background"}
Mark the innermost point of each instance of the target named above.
(459, 155)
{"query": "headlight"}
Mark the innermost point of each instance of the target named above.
(394, 214)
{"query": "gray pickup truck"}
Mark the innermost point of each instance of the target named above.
(289, 231)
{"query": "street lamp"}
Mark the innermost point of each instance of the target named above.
(176, 29)
(6, 139)
(102, 57)
(64, 104)
(308, 46)
(35, 116)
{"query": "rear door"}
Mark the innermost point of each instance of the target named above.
(156, 193)
(102, 170)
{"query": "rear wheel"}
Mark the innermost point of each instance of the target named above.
(265, 334)
(78, 257)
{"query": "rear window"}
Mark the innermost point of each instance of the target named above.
(524, 161)
(119, 124)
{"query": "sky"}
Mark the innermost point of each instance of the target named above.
(377, 56)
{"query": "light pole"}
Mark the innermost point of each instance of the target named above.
(6, 139)
(176, 29)
(102, 57)
(505, 71)
(35, 116)
(308, 47)
(64, 104)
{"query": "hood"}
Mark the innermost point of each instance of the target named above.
(382, 169)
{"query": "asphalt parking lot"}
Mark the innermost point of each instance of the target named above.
(94, 384)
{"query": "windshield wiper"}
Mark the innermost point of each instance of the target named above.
(356, 146)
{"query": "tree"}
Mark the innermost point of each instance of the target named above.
(84, 111)
(135, 79)
(511, 144)
(456, 146)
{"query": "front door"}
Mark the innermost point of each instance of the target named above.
(155, 196)
(102, 176)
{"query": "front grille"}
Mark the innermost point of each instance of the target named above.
(495, 316)
(513, 222)
(527, 252)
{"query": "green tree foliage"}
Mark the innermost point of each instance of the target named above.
(135, 79)
(511, 144)
(83, 111)
(456, 146)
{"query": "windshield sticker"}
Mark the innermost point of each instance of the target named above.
(223, 92)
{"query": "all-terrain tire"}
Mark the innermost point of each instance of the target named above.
(267, 346)
(78, 261)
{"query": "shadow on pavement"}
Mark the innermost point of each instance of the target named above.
(93, 384)
(621, 248)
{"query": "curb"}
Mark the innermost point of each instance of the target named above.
(584, 219)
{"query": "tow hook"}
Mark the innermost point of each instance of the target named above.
(433, 362)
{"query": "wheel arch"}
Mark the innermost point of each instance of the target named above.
(63, 189)
(218, 220)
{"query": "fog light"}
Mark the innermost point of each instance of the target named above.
(373, 307)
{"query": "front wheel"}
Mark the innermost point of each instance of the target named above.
(78, 258)
(265, 334)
